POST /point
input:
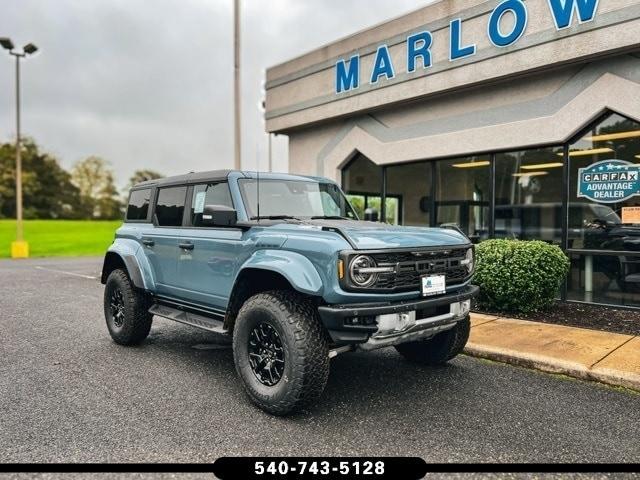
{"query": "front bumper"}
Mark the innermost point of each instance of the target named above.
(333, 317)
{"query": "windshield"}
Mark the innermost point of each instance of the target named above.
(295, 198)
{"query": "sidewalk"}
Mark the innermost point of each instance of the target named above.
(577, 352)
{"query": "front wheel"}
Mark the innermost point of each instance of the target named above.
(439, 349)
(126, 310)
(280, 351)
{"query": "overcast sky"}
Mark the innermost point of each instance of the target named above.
(147, 84)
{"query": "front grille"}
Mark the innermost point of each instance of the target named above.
(410, 266)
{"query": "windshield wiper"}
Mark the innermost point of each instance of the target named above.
(275, 217)
(329, 217)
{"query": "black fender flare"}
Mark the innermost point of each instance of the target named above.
(113, 260)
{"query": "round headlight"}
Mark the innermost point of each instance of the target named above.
(360, 271)
(468, 260)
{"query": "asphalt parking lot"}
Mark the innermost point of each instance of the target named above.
(69, 394)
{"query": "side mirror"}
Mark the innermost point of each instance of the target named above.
(219, 216)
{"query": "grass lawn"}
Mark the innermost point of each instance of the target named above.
(53, 238)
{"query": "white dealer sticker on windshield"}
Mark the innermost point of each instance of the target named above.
(433, 285)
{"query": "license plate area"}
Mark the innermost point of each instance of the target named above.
(433, 285)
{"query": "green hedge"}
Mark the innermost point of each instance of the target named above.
(519, 276)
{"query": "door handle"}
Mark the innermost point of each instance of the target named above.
(186, 246)
(147, 242)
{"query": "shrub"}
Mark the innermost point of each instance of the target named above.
(519, 276)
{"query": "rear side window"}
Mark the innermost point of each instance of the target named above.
(138, 208)
(170, 206)
(208, 194)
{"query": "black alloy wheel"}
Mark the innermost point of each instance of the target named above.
(116, 305)
(266, 354)
(126, 309)
(281, 351)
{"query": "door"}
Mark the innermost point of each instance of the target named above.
(206, 273)
(162, 241)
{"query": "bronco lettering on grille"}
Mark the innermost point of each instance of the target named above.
(409, 266)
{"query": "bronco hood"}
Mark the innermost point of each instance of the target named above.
(374, 235)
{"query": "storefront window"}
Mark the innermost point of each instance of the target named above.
(603, 215)
(607, 279)
(409, 189)
(463, 194)
(597, 221)
(374, 203)
(529, 195)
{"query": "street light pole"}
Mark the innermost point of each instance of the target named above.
(236, 84)
(19, 228)
(19, 248)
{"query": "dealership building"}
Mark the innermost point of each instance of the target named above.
(511, 119)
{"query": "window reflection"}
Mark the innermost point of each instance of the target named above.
(529, 195)
(463, 194)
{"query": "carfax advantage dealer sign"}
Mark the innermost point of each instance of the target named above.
(609, 181)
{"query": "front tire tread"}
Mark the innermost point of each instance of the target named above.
(137, 323)
(309, 351)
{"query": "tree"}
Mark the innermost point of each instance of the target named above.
(47, 188)
(98, 193)
(143, 176)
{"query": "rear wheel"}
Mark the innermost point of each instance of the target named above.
(126, 310)
(280, 351)
(439, 349)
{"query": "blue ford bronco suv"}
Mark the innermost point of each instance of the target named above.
(282, 265)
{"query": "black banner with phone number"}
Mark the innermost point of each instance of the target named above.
(320, 467)
(401, 468)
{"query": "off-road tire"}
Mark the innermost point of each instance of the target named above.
(306, 353)
(438, 349)
(136, 322)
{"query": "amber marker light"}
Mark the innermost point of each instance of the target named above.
(340, 269)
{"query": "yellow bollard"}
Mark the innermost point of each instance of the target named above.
(19, 249)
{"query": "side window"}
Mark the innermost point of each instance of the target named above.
(208, 194)
(138, 207)
(170, 206)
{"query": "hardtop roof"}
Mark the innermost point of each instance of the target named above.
(192, 177)
(221, 175)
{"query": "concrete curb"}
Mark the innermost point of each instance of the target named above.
(616, 378)
(536, 362)
(615, 370)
